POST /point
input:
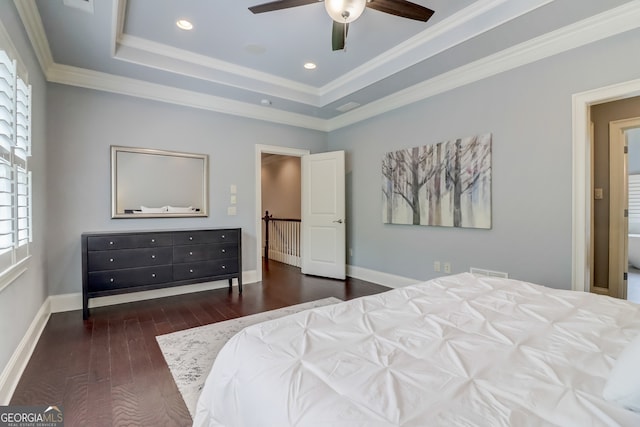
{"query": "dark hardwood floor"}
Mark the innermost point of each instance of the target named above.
(109, 371)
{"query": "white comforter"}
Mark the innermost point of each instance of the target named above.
(455, 351)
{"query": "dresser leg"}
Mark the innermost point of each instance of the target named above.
(85, 308)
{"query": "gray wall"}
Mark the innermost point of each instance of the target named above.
(281, 186)
(82, 124)
(528, 111)
(21, 300)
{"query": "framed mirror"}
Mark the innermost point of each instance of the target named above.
(148, 183)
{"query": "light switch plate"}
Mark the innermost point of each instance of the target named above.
(233, 189)
(233, 199)
(231, 210)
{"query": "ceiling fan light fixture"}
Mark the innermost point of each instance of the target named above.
(345, 11)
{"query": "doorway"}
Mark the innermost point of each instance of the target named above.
(260, 151)
(282, 208)
(582, 182)
(609, 195)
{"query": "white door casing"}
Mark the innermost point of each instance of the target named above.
(323, 236)
(581, 188)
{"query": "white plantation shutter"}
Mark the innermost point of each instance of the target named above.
(15, 177)
(634, 204)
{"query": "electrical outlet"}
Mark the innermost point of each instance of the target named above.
(350, 252)
(436, 265)
(447, 267)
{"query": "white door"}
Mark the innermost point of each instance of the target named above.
(323, 237)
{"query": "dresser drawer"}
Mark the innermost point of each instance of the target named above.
(205, 236)
(193, 253)
(128, 241)
(195, 270)
(128, 278)
(128, 258)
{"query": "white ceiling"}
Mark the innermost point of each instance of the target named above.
(233, 59)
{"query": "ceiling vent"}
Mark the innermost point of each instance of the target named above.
(85, 5)
(348, 106)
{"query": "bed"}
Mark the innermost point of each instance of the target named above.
(461, 350)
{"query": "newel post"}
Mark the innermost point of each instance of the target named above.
(266, 219)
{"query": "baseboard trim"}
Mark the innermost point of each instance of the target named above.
(18, 362)
(385, 279)
(70, 302)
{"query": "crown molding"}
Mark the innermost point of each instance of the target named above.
(479, 17)
(597, 27)
(179, 61)
(32, 22)
(74, 76)
(607, 24)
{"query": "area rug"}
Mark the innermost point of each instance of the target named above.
(190, 353)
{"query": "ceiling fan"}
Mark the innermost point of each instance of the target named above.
(345, 11)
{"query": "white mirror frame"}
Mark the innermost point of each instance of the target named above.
(125, 158)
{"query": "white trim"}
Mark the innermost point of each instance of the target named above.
(167, 58)
(32, 23)
(475, 19)
(581, 181)
(8, 276)
(267, 149)
(81, 77)
(18, 362)
(589, 30)
(385, 279)
(480, 17)
(70, 302)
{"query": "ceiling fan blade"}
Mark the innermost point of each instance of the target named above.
(281, 4)
(339, 35)
(402, 8)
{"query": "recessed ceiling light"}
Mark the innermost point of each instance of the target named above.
(183, 24)
(309, 65)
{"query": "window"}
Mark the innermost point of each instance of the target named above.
(15, 176)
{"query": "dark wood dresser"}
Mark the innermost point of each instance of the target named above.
(120, 262)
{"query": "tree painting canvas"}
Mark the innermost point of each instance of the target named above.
(444, 184)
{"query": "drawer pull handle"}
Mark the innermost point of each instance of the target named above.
(153, 275)
(190, 253)
(110, 259)
(153, 257)
(153, 240)
(224, 266)
(190, 238)
(111, 243)
(223, 236)
(190, 270)
(111, 280)
(224, 251)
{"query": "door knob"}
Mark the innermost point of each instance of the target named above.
(338, 221)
